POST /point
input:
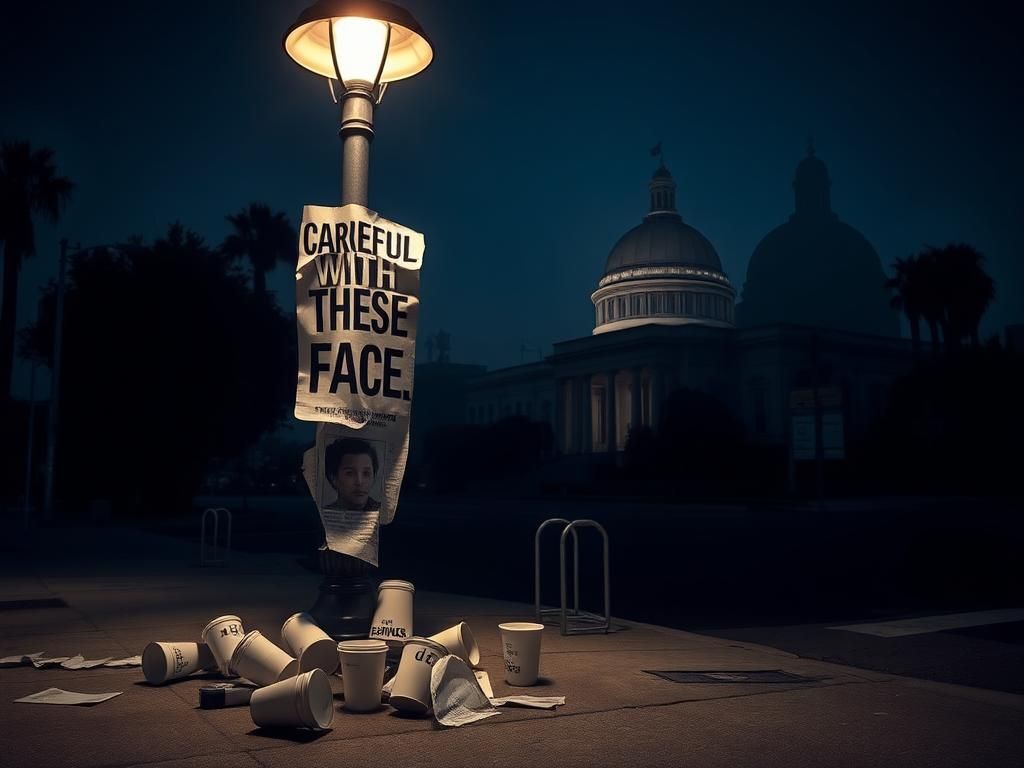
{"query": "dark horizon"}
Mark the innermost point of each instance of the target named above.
(522, 155)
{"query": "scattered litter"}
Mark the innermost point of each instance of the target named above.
(58, 696)
(457, 696)
(131, 661)
(485, 682)
(80, 662)
(534, 702)
(56, 661)
(39, 661)
(19, 661)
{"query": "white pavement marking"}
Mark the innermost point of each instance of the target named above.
(925, 624)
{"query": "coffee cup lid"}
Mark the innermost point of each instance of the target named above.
(521, 626)
(362, 646)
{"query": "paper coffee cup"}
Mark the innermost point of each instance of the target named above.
(305, 701)
(410, 692)
(460, 642)
(392, 621)
(520, 642)
(313, 647)
(162, 662)
(257, 659)
(222, 635)
(362, 673)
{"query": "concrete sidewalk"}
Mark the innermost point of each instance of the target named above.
(616, 712)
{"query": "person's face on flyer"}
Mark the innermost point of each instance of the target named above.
(354, 480)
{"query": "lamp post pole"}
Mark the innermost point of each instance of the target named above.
(364, 45)
(356, 134)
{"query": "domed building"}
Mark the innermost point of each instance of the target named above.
(814, 328)
(815, 270)
(662, 272)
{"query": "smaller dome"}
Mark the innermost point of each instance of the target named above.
(812, 186)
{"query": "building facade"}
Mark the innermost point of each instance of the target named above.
(814, 316)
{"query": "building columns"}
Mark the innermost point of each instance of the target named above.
(586, 415)
(610, 426)
(636, 413)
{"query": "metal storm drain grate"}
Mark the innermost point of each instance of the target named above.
(732, 677)
(22, 605)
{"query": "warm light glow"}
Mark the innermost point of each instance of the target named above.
(359, 23)
(359, 46)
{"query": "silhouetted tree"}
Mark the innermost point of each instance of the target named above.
(262, 237)
(29, 185)
(169, 361)
(969, 291)
(907, 289)
(947, 287)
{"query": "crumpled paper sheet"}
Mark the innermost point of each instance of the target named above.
(58, 696)
(39, 661)
(19, 660)
(457, 696)
(534, 702)
(80, 662)
(131, 661)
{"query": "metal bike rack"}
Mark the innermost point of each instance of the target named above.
(210, 557)
(574, 621)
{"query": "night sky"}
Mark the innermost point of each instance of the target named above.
(522, 153)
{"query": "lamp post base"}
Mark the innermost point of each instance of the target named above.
(348, 596)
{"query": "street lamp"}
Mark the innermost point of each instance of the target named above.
(363, 45)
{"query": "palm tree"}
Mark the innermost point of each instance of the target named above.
(907, 297)
(262, 237)
(29, 185)
(950, 289)
(971, 290)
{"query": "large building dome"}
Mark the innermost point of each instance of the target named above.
(816, 270)
(662, 271)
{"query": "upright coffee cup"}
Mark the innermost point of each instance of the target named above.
(520, 643)
(410, 692)
(313, 647)
(222, 635)
(460, 642)
(392, 621)
(305, 701)
(362, 673)
(162, 662)
(257, 659)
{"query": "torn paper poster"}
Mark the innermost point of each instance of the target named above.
(355, 480)
(456, 694)
(357, 303)
(131, 661)
(357, 307)
(80, 662)
(19, 660)
(58, 696)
